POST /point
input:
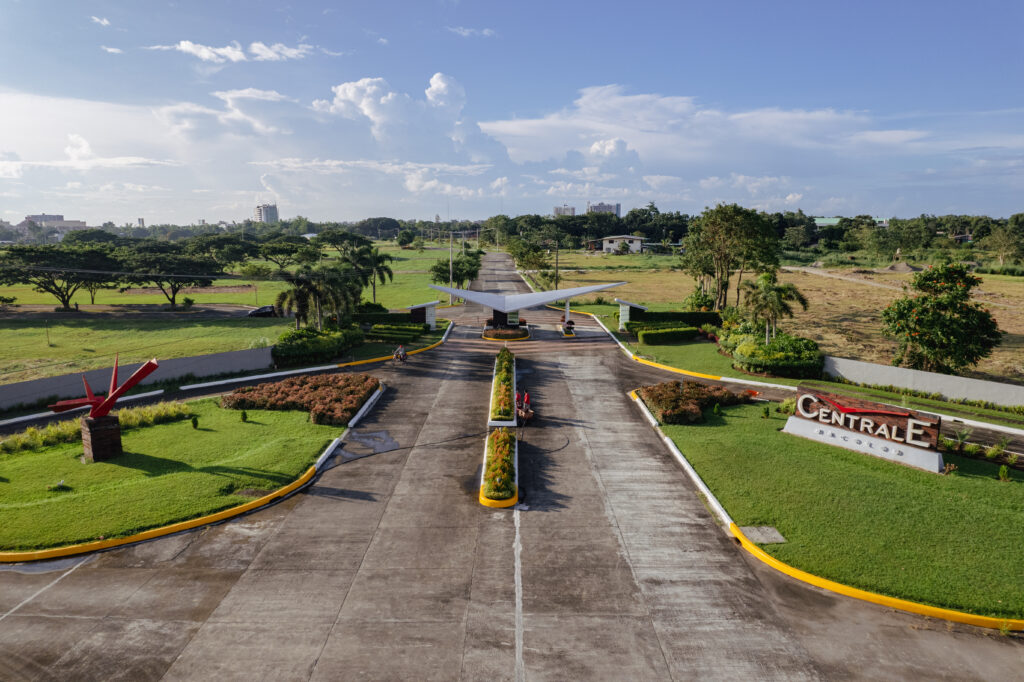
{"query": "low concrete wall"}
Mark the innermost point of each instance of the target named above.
(70, 385)
(949, 386)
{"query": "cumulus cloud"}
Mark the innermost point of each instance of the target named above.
(471, 32)
(102, 21)
(111, 50)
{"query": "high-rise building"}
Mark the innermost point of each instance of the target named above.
(142, 222)
(601, 207)
(265, 213)
(565, 209)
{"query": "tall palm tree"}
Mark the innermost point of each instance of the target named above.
(301, 292)
(339, 288)
(768, 300)
(373, 265)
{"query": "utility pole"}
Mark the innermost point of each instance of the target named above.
(556, 263)
(451, 271)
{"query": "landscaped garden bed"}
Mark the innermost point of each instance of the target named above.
(502, 411)
(948, 541)
(684, 402)
(511, 334)
(168, 473)
(329, 398)
(499, 481)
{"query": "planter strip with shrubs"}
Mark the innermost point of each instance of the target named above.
(330, 398)
(684, 402)
(502, 411)
(499, 481)
(305, 346)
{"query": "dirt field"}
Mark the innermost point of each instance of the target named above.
(844, 315)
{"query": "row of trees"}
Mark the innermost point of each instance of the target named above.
(93, 260)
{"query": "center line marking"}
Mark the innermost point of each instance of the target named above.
(518, 548)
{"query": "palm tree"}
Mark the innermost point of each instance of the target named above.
(373, 265)
(299, 294)
(339, 288)
(768, 300)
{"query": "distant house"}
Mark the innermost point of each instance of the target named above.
(612, 244)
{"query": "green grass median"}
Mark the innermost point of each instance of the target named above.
(168, 473)
(949, 541)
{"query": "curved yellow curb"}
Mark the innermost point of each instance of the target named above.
(676, 369)
(498, 504)
(391, 357)
(874, 598)
(68, 550)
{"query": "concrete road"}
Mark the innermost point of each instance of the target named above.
(388, 568)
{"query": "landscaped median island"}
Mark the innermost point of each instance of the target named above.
(503, 390)
(499, 483)
(947, 541)
(213, 458)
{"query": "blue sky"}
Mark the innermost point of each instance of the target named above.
(186, 110)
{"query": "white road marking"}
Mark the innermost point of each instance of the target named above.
(44, 588)
(518, 547)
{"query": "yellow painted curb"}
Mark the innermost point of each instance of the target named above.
(390, 357)
(498, 504)
(874, 598)
(676, 369)
(571, 311)
(7, 557)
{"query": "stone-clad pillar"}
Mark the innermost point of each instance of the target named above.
(101, 438)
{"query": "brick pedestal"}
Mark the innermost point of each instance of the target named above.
(101, 438)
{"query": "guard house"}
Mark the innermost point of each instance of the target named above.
(505, 309)
(628, 311)
(425, 313)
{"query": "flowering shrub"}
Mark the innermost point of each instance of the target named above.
(330, 398)
(502, 403)
(499, 467)
(683, 402)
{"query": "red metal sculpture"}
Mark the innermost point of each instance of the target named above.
(101, 406)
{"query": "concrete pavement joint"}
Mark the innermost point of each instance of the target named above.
(518, 549)
(43, 589)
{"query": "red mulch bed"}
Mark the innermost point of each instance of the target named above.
(330, 398)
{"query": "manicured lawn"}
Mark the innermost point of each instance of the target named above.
(949, 541)
(83, 344)
(168, 473)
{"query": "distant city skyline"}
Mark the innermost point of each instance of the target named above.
(411, 109)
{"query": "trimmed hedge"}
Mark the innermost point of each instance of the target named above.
(785, 356)
(684, 402)
(656, 336)
(689, 319)
(330, 398)
(304, 346)
(508, 334)
(382, 318)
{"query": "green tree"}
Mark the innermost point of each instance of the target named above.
(1005, 242)
(300, 295)
(168, 269)
(373, 265)
(940, 329)
(58, 271)
(464, 269)
(405, 237)
(288, 250)
(766, 300)
(341, 240)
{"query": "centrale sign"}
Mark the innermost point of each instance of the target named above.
(862, 417)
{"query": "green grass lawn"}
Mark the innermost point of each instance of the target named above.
(703, 357)
(949, 541)
(82, 344)
(168, 473)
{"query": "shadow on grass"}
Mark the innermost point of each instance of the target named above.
(152, 466)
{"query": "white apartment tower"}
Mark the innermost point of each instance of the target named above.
(265, 213)
(565, 209)
(601, 207)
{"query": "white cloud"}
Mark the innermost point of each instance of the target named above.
(382, 41)
(446, 93)
(189, 118)
(793, 198)
(331, 53)
(102, 21)
(78, 148)
(471, 32)
(217, 55)
(887, 137)
(278, 52)
(111, 50)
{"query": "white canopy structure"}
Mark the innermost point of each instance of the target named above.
(513, 302)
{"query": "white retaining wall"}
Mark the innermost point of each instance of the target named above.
(949, 386)
(70, 385)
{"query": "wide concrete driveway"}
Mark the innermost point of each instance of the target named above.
(388, 568)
